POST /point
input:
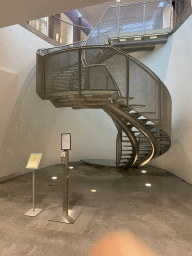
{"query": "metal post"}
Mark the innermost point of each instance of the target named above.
(118, 26)
(159, 101)
(79, 72)
(127, 81)
(116, 153)
(34, 190)
(63, 214)
(34, 211)
(65, 185)
(170, 14)
(144, 18)
(98, 33)
(107, 75)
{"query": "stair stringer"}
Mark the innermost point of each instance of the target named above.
(129, 134)
(153, 142)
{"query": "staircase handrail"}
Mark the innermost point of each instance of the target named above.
(118, 18)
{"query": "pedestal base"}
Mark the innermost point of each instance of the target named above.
(70, 219)
(32, 213)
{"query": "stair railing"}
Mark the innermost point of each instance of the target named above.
(134, 19)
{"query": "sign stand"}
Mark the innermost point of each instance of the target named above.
(33, 163)
(63, 214)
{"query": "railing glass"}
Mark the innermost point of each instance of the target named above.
(135, 19)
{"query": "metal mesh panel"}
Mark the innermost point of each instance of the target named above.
(63, 47)
(94, 55)
(165, 122)
(97, 78)
(61, 71)
(144, 90)
(131, 19)
(116, 65)
(114, 62)
(111, 85)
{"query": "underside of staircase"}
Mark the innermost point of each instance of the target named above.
(89, 75)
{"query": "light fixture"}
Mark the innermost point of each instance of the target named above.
(143, 171)
(71, 167)
(118, 1)
(93, 190)
(147, 184)
(137, 38)
(54, 178)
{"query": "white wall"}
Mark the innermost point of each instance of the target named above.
(29, 124)
(173, 64)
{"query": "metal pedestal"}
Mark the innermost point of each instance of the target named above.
(34, 211)
(69, 219)
(63, 214)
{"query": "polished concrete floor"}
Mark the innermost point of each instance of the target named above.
(160, 215)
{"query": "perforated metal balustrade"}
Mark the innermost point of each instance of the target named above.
(84, 75)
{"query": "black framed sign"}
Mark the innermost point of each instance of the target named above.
(65, 141)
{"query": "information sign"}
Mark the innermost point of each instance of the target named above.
(34, 161)
(65, 141)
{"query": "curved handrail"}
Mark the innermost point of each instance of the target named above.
(141, 128)
(118, 19)
(71, 23)
(129, 134)
(112, 109)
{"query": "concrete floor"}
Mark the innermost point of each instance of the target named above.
(161, 215)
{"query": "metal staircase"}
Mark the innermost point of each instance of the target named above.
(85, 76)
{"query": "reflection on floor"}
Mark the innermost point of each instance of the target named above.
(159, 214)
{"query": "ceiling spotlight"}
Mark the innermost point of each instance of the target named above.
(148, 184)
(54, 178)
(71, 167)
(143, 171)
(93, 190)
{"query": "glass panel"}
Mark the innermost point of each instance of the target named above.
(157, 17)
(105, 29)
(131, 20)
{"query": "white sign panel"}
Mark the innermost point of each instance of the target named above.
(65, 141)
(34, 161)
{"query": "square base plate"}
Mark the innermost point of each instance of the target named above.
(70, 219)
(32, 213)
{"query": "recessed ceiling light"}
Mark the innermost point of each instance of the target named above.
(148, 184)
(71, 167)
(54, 178)
(143, 171)
(93, 190)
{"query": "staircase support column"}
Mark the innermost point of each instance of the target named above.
(80, 50)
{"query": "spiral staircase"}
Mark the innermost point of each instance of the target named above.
(94, 74)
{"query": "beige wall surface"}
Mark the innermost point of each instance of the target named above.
(173, 64)
(31, 125)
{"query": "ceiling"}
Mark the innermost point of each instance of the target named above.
(19, 11)
(94, 13)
